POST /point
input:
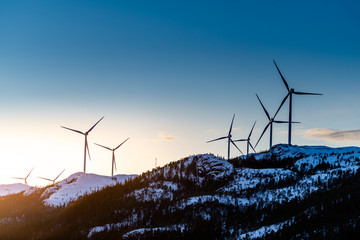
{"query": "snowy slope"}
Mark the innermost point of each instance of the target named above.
(285, 151)
(7, 189)
(76, 185)
(254, 187)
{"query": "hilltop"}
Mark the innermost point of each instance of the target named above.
(288, 192)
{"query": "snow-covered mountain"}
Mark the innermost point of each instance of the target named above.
(289, 192)
(254, 183)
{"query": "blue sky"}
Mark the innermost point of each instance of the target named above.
(171, 69)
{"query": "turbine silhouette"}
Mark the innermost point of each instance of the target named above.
(52, 180)
(113, 156)
(229, 139)
(25, 178)
(271, 121)
(86, 148)
(290, 93)
(248, 143)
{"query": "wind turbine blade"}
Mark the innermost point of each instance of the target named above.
(46, 179)
(252, 147)
(216, 139)
(285, 122)
(262, 133)
(231, 125)
(18, 178)
(77, 131)
(29, 173)
(87, 147)
(59, 175)
(282, 103)
(266, 112)
(281, 121)
(240, 140)
(252, 130)
(121, 143)
(94, 125)
(236, 146)
(286, 85)
(103, 146)
(304, 93)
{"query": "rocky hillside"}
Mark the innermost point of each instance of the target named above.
(289, 192)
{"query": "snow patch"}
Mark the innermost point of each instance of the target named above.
(140, 231)
(261, 232)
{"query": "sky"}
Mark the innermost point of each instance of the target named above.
(169, 75)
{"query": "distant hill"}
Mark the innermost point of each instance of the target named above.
(7, 189)
(289, 192)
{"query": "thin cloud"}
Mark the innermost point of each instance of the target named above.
(164, 136)
(332, 135)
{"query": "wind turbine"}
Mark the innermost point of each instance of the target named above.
(291, 91)
(229, 139)
(25, 178)
(53, 180)
(248, 143)
(113, 156)
(86, 148)
(271, 121)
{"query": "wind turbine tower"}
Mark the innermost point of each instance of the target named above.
(228, 138)
(248, 143)
(86, 148)
(271, 121)
(291, 91)
(25, 178)
(113, 156)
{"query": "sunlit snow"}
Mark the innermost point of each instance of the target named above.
(78, 184)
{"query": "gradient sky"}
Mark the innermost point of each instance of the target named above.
(169, 75)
